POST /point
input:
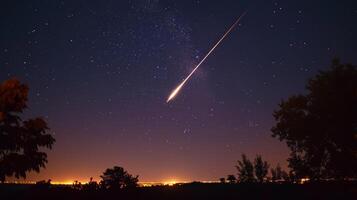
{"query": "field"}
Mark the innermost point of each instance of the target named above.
(323, 191)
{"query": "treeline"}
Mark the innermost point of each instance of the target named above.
(116, 178)
(258, 171)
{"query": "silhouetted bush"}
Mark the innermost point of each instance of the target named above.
(261, 169)
(245, 170)
(222, 180)
(231, 178)
(279, 175)
(77, 185)
(118, 178)
(251, 173)
(43, 184)
(91, 185)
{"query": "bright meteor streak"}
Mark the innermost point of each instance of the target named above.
(178, 88)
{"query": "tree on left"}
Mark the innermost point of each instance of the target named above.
(20, 140)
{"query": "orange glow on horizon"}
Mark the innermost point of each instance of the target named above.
(66, 182)
(171, 181)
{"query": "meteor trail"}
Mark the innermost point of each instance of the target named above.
(178, 88)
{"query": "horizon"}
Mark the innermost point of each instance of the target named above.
(140, 183)
(100, 73)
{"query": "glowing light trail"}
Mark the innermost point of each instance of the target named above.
(178, 88)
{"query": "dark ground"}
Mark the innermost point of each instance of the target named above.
(316, 191)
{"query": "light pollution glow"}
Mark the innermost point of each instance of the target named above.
(170, 182)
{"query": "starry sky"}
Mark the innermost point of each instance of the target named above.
(100, 73)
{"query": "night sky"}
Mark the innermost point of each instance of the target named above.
(100, 72)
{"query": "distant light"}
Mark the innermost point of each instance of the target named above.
(62, 182)
(304, 180)
(170, 182)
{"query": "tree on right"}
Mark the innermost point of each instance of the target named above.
(320, 126)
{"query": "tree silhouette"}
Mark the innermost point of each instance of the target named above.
(222, 180)
(231, 178)
(118, 178)
(77, 185)
(249, 172)
(261, 169)
(320, 127)
(278, 174)
(91, 185)
(43, 184)
(245, 170)
(20, 140)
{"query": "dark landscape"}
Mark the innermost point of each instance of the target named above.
(192, 191)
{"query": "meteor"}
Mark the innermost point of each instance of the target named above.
(178, 88)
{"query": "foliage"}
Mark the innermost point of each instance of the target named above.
(118, 178)
(320, 127)
(245, 170)
(261, 169)
(278, 174)
(231, 178)
(249, 172)
(77, 185)
(222, 180)
(91, 185)
(20, 140)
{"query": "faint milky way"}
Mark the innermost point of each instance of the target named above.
(178, 88)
